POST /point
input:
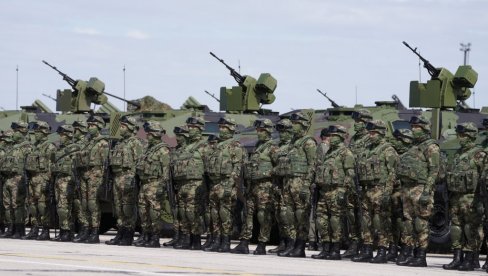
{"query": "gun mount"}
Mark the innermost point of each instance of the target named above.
(249, 95)
(82, 94)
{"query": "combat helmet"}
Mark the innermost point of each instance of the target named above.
(41, 126)
(284, 125)
(230, 123)
(130, 123)
(469, 129)
(96, 120)
(153, 127)
(403, 133)
(66, 129)
(7, 135)
(80, 125)
(337, 130)
(376, 126)
(181, 130)
(300, 118)
(420, 121)
(196, 121)
(20, 126)
(265, 124)
(324, 132)
(362, 115)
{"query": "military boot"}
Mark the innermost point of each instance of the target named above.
(58, 237)
(335, 252)
(9, 232)
(260, 249)
(2, 229)
(405, 256)
(93, 238)
(143, 238)
(468, 262)
(485, 265)
(175, 240)
(241, 248)
(279, 248)
(420, 258)
(208, 241)
(44, 236)
(457, 260)
(66, 236)
(380, 257)
(313, 246)
(33, 233)
(365, 255)
(184, 242)
(225, 244)
(352, 250)
(290, 244)
(299, 250)
(127, 237)
(19, 231)
(324, 253)
(196, 242)
(476, 260)
(215, 245)
(82, 235)
(392, 253)
(117, 238)
(153, 242)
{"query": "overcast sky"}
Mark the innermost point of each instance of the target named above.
(305, 44)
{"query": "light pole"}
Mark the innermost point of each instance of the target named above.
(466, 48)
(125, 107)
(17, 89)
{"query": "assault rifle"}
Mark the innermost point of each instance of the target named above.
(433, 72)
(52, 200)
(171, 194)
(238, 77)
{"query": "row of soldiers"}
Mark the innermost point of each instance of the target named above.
(383, 187)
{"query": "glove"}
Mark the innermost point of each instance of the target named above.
(341, 198)
(304, 195)
(385, 200)
(424, 198)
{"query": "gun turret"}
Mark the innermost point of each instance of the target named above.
(334, 104)
(83, 95)
(433, 72)
(238, 77)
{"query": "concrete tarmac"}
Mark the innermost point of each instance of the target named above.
(19, 257)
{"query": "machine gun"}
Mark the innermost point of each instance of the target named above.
(433, 72)
(87, 92)
(334, 104)
(238, 77)
(212, 95)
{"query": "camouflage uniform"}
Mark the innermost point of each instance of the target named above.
(188, 170)
(463, 177)
(334, 177)
(5, 144)
(123, 158)
(357, 144)
(15, 186)
(376, 169)
(418, 172)
(80, 129)
(38, 167)
(280, 159)
(92, 160)
(62, 170)
(296, 191)
(259, 197)
(224, 171)
(153, 169)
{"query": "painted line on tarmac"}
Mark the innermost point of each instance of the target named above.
(101, 261)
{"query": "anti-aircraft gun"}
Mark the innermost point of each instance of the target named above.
(84, 93)
(443, 91)
(249, 95)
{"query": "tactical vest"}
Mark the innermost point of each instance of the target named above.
(330, 170)
(219, 164)
(370, 164)
(15, 158)
(259, 165)
(150, 164)
(462, 175)
(358, 144)
(298, 158)
(64, 159)
(413, 166)
(282, 167)
(122, 155)
(89, 156)
(187, 162)
(38, 160)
